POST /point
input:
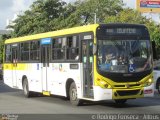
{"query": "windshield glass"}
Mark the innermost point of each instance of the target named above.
(124, 56)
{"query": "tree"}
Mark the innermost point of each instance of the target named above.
(49, 15)
(2, 39)
(85, 11)
(39, 18)
(127, 16)
(156, 35)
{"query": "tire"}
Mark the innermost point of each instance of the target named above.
(120, 101)
(73, 95)
(158, 86)
(26, 91)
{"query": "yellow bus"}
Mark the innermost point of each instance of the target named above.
(93, 62)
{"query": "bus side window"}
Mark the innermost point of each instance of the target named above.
(25, 51)
(72, 48)
(8, 53)
(34, 50)
(58, 48)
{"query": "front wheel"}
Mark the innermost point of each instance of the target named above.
(73, 95)
(120, 101)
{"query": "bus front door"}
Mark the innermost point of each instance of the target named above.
(14, 64)
(87, 59)
(45, 59)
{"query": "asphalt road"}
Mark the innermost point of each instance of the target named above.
(13, 102)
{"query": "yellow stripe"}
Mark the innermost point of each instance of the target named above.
(19, 66)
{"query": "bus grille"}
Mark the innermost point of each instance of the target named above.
(123, 86)
(129, 92)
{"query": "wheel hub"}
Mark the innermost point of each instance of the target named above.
(25, 89)
(74, 94)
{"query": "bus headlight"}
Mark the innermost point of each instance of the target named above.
(148, 82)
(103, 83)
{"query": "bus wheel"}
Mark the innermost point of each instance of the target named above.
(73, 95)
(158, 86)
(26, 91)
(120, 101)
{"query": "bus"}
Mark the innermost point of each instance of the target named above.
(94, 62)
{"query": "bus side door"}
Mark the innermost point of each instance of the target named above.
(87, 60)
(14, 64)
(45, 60)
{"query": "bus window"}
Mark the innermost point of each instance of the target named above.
(8, 53)
(24, 48)
(72, 48)
(84, 51)
(58, 48)
(123, 55)
(34, 50)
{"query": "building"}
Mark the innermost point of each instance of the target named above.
(5, 32)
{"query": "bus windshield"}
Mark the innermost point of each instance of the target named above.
(124, 56)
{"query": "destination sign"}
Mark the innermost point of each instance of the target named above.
(117, 31)
(121, 31)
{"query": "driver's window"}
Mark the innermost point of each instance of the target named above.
(143, 51)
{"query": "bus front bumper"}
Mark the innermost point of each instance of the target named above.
(132, 93)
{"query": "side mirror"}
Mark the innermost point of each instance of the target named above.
(94, 49)
(154, 50)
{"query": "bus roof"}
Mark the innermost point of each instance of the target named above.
(74, 30)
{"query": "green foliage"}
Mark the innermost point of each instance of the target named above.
(1, 49)
(85, 11)
(156, 35)
(2, 39)
(127, 16)
(39, 18)
(49, 15)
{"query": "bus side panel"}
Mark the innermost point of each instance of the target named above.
(34, 77)
(59, 73)
(54, 79)
(32, 73)
(7, 74)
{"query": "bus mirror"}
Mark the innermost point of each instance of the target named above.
(154, 50)
(94, 49)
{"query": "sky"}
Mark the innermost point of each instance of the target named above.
(10, 7)
(130, 3)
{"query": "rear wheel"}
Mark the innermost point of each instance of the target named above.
(73, 95)
(26, 91)
(120, 101)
